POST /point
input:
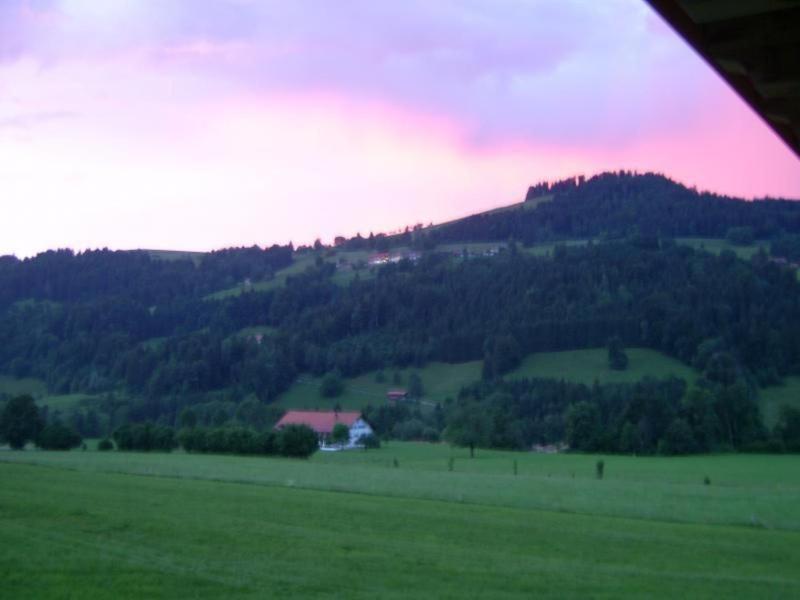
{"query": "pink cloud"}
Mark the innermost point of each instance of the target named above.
(222, 124)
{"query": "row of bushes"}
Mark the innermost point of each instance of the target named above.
(58, 437)
(145, 436)
(295, 440)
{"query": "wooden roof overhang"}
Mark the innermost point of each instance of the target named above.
(755, 46)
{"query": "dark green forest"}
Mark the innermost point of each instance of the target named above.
(138, 330)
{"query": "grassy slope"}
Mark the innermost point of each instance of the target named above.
(100, 534)
(38, 389)
(300, 264)
(717, 245)
(442, 380)
(586, 366)
(176, 255)
(29, 385)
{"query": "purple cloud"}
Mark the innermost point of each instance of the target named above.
(568, 71)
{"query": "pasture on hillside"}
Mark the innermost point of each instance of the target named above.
(157, 525)
(444, 380)
(37, 388)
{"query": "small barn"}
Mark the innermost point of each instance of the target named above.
(396, 395)
(323, 422)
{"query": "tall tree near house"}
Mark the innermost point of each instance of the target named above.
(469, 426)
(583, 426)
(20, 422)
(332, 385)
(340, 434)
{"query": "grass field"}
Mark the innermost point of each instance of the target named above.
(717, 245)
(90, 524)
(195, 257)
(443, 380)
(37, 388)
(29, 385)
(301, 263)
(588, 366)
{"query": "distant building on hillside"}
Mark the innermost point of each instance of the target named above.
(397, 395)
(323, 422)
(384, 258)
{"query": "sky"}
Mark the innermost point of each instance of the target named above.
(198, 125)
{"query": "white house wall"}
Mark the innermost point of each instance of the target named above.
(358, 430)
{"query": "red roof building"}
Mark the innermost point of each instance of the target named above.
(320, 421)
(397, 395)
(323, 422)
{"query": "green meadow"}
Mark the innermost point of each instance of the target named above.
(443, 380)
(38, 389)
(28, 385)
(351, 524)
(717, 245)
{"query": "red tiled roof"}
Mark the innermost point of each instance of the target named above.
(397, 393)
(319, 421)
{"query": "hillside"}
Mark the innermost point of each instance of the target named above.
(442, 380)
(613, 205)
(704, 281)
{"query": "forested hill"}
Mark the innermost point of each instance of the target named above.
(152, 336)
(612, 205)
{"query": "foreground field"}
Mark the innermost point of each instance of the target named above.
(443, 380)
(130, 526)
(747, 490)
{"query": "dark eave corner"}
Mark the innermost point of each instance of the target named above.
(755, 46)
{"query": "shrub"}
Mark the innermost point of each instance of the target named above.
(146, 437)
(193, 440)
(370, 441)
(332, 385)
(678, 439)
(105, 445)
(340, 434)
(298, 441)
(410, 429)
(268, 442)
(58, 437)
(20, 422)
(788, 428)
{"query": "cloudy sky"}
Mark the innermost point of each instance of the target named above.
(208, 123)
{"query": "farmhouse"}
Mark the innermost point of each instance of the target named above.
(323, 423)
